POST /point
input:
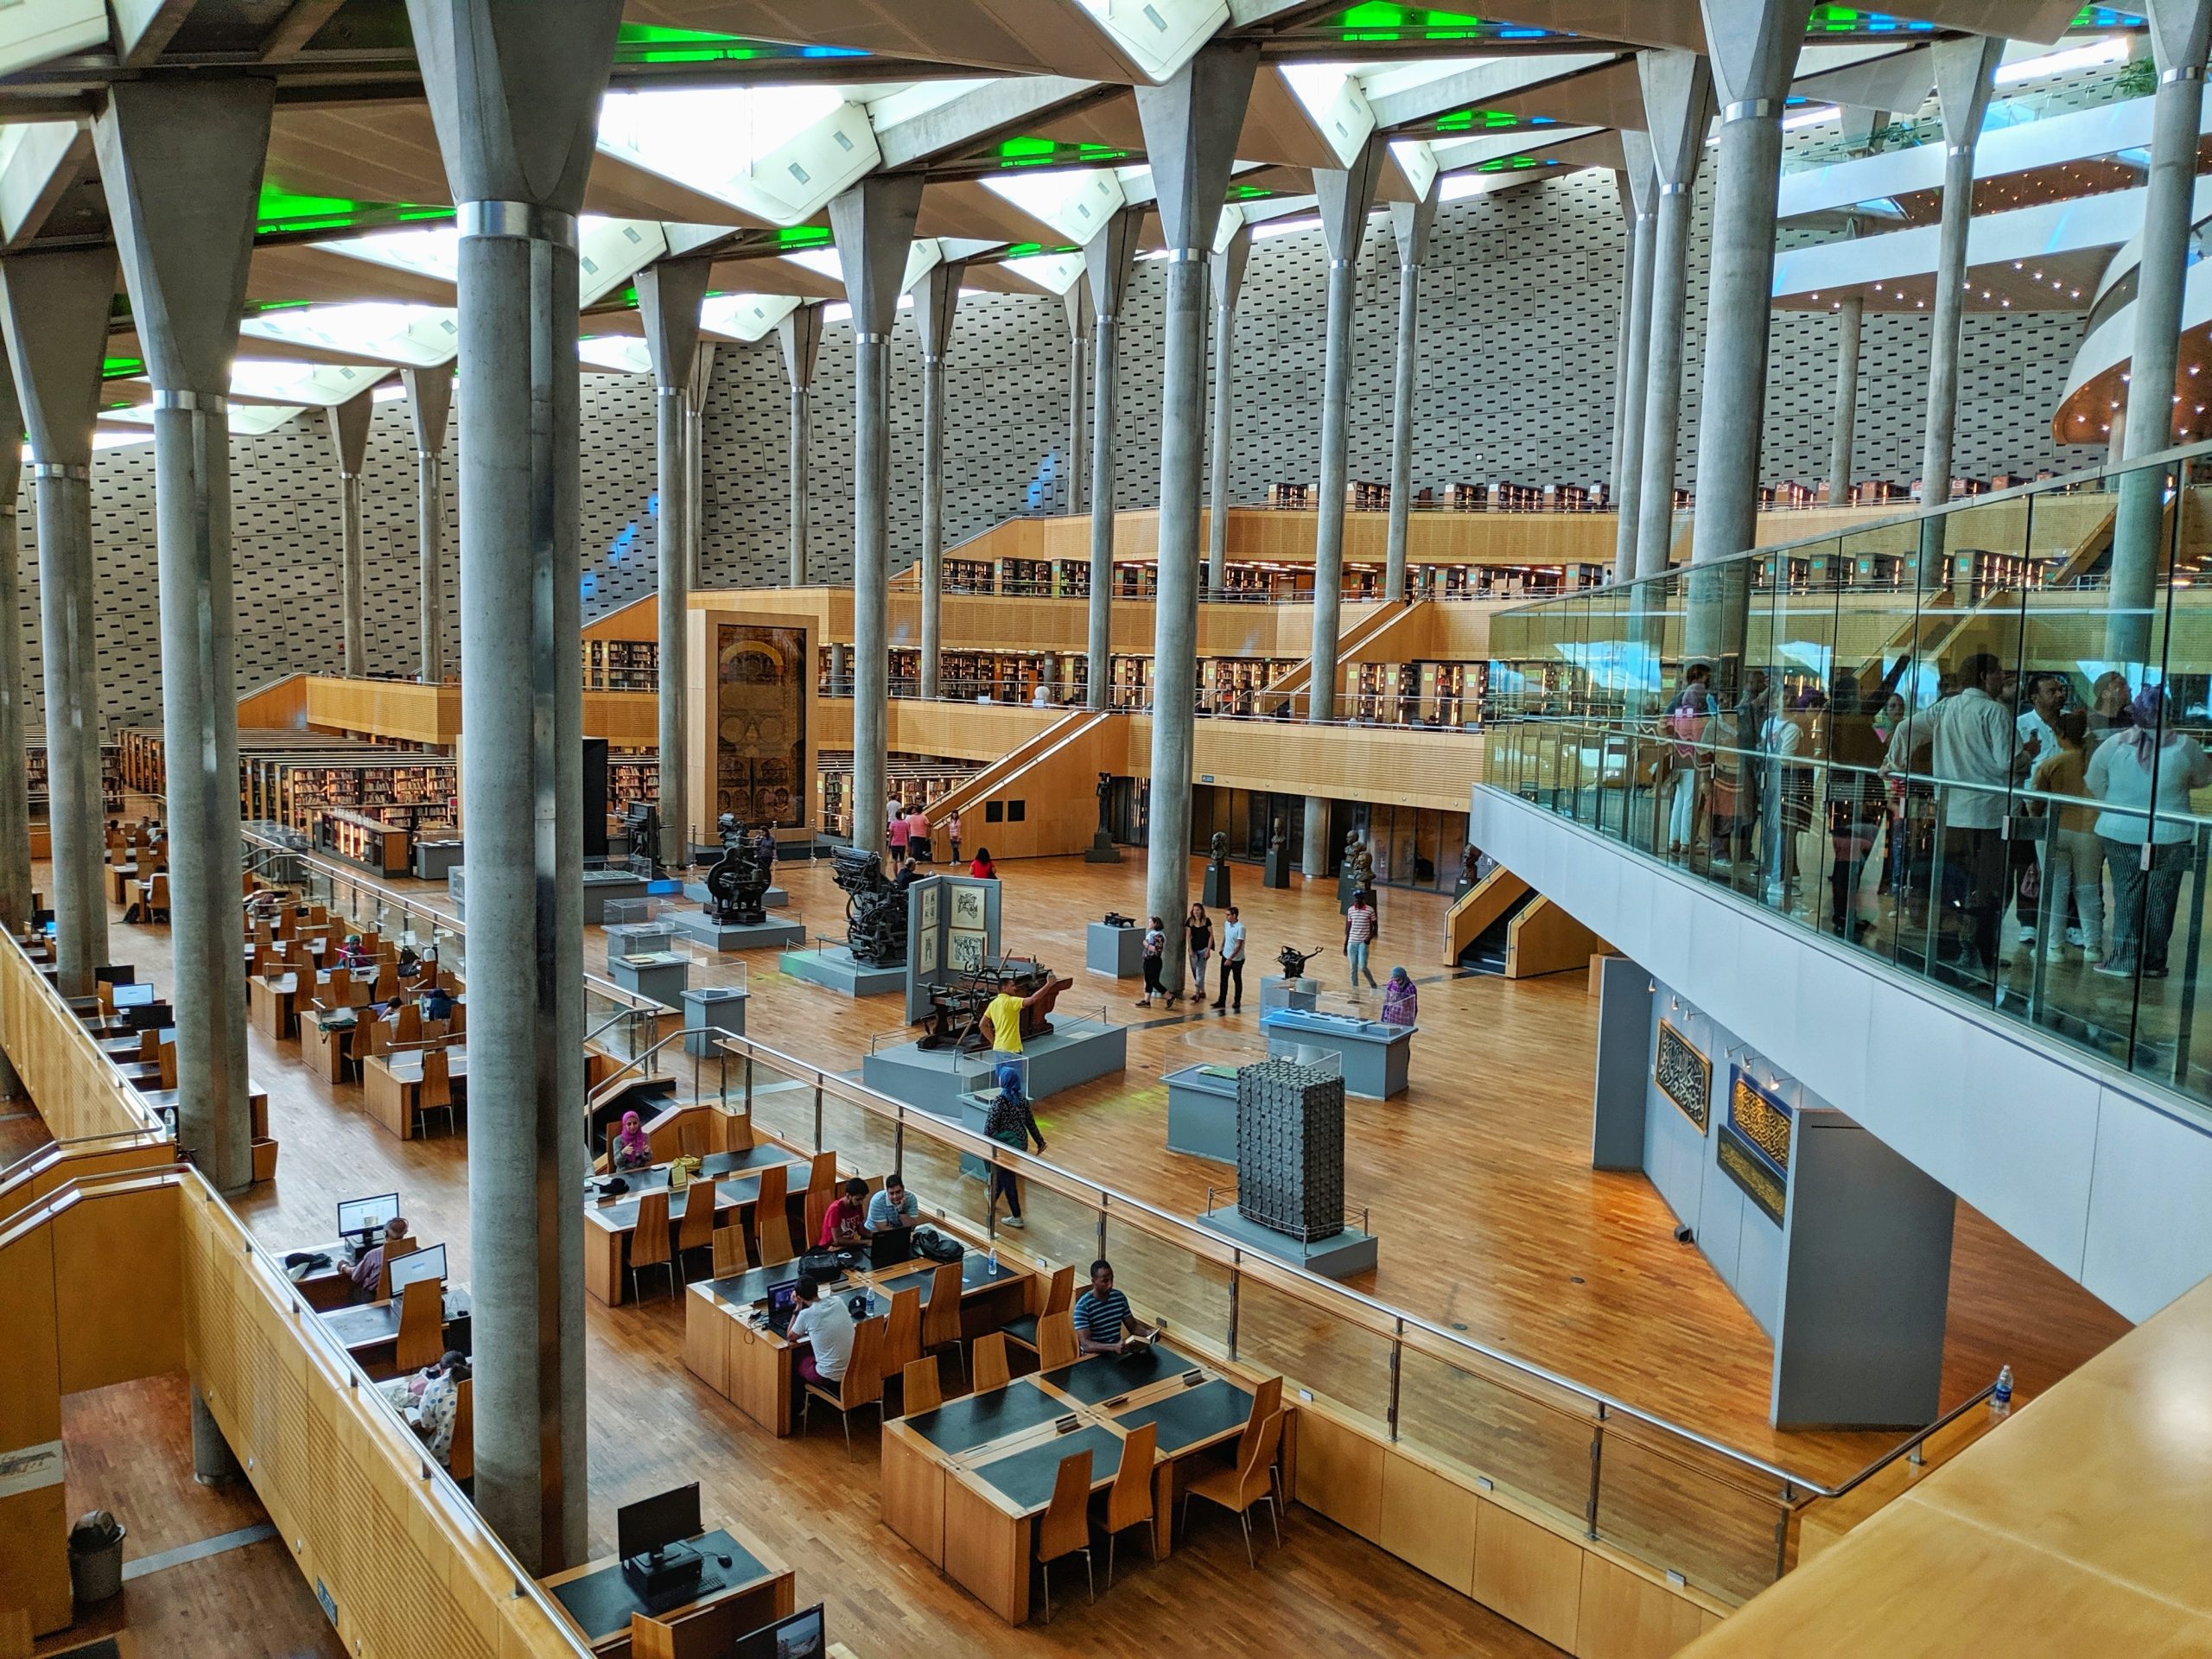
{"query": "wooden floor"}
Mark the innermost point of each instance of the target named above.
(1479, 1187)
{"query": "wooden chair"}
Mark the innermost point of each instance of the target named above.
(729, 1252)
(920, 1389)
(1239, 1488)
(392, 1252)
(991, 1370)
(648, 1240)
(157, 898)
(1128, 1500)
(1064, 1527)
(104, 990)
(861, 1384)
(15, 1633)
(822, 1174)
(902, 1331)
(818, 1200)
(149, 1045)
(338, 989)
(1267, 1399)
(461, 1459)
(166, 1058)
(692, 1136)
(941, 1317)
(772, 1218)
(695, 1231)
(1056, 1344)
(408, 1028)
(422, 1326)
(1059, 1296)
(708, 1632)
(387, 983)
(435, 1092)
(371, 1036)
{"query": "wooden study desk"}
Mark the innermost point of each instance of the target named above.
(965, 1484)
(328, 1049)
(729, 1347)
(736, 1179)
(756, 1589)
(274, 1002)
(390, 1082)
(370, 1331)
(327, 1289)
(122, 879)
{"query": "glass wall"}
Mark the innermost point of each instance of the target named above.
(1973, 745)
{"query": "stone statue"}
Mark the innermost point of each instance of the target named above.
(1105, 788)
(1359, 863)
(1220, 846)
(1274, 837)
(1469, 860)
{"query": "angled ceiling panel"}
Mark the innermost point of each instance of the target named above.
(1610, 97)
(770, 275)
(1279, 128)
(1636, 22)
(303, 271)
(1021, 37)
(964, 207)
(362, 151)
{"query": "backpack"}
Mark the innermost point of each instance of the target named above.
(933, 1245)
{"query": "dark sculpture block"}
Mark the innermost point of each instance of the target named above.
(1290, 1149)
(741, 877)
(875, 909)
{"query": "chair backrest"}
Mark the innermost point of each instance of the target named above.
(410, 1025)
(649, 1242)
(697, 1230)
(387, 982)
(941, 1315)
(460, 1461)
(150, 1044)
(729, 1251)
(818, 1200)
(1060, 1291)
(1267, 1399)
(371, 1036)
(459, 1023)
(15, 1633)
(862, 1383)
(1255, 1460)
(991, 1370)
(421, 1326)
(337, 990)
(1065, 1524)
(772, 1218)
(902, 1333)
(104, 990)
(168, 1065)
(1056, 1342)
(822, 1171)
(392, 1252)
(1129, 1500)
(157, 893)
(436, 1087)
(692, 1134)
(920, 1388)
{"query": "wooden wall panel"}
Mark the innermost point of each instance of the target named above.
(1339, 1473)
(398, 709)
(280, 703)
(121, 1291)
(1545, 939)
(1429, 1520)
(34, 1548)
(1530, 1573)
(30, 1391)
(76, 1092)
(1625, 1615)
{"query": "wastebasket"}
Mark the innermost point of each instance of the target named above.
(96, 1558)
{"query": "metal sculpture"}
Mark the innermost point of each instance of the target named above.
(1292, 960)
(739, 882)
(875, 909)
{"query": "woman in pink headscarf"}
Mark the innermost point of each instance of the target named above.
(2144, 775)
(630, 1150)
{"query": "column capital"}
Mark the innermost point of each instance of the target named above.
(1109, 260)
(800, 331)
(873, 224)
(1190, 123)
(935, 295)
(1346, 197)
(1677, 106)
(430, 401)
(668, 296)
(349, 431)
(54, 311)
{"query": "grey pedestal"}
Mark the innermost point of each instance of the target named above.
(1063, 1057)
(1102, 850)
(1116, 951)
(1202, 1114)
(774, 898)
(600, 886)
(1375, 1056)
(433, 859)
(711, 1005)
(659, 978)
(833, 966)
(1276, 871)
(1338, 1257)
(1276, 992)
(1215, 889)
(703, 929)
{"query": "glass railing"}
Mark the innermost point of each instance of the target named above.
(1971, 745)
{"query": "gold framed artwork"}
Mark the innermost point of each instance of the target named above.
(1684, 1075)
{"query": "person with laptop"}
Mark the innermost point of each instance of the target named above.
(428, 1400)
(894, 1206)
(846, 1217)
(826, 1325)
(1103, 1324)
(370, 1268)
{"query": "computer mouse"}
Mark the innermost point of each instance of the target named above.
(724, 1559)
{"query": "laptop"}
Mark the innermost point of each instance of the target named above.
(890, 1247)
(783, 1302)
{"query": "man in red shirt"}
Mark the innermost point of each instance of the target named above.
(846, 1218)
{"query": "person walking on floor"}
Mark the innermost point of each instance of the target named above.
(1362, 926)
(1232, 963)
(1011, 1124)
(1199, 928)
(1156, 945)
(952, 832)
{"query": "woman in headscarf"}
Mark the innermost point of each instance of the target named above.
(632, 1149)
(1400, 1001)
(2143, 773)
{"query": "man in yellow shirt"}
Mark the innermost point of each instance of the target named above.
(1002, 1016)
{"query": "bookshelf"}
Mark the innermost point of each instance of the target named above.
(378, 846)
(621, 664)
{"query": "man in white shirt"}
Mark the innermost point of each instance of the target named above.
(1977, 755)
(1232, 961)
(827, 1323)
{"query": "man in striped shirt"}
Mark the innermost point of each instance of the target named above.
(1103, 1324)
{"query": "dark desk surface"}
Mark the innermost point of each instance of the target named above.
(601, 1599)
(976, 1420)
(621, 1215)
(1214, 1408)
(976, 1274)
(1026, 1476)
(716, 1165)
(374, 1322)
(1100, 1378)
(744, 1289)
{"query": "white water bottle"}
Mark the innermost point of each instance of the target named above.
(994, 1256)
(2001, 1401)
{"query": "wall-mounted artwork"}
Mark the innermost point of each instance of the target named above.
(964, 950)
(967, 907)
(1683, 1075)
(760, 680)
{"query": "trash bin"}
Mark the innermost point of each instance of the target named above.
(96, 1558)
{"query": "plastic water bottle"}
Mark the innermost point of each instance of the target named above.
(2000, 1402)
(994, 1267)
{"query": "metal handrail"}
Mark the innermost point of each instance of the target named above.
(605, 1091)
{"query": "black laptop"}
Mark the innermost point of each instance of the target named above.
(890, 1247)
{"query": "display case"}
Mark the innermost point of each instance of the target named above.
(378, 847)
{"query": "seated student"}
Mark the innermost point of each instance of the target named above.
(827, 1323)
(893, 1207)
(846, 1218)
(429, 1400)
(630, 1148)
(370, 1268)
(437, 1002)
(409, 964)
(1103, 1324)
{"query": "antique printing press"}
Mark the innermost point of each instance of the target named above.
(956, 1014)
(875, 910)
(740, 878)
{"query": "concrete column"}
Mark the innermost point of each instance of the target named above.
(875, 225)
(695, 461)
(1230, 257)
(15, 805)
(429, 400)
(669, 293)
(1963, 67)
(2180, 31)
(1189, 126)
(937, 296)
(1413, 220)
(348, 423)
(1677, 104)
(53, 307)
(1754, 45)
(1077, 302)
(1850, 314)
(513, 91)
(801, 333)
(1639, 183)
(214, 1463)
(1345, 196)
(1109, 257)
(180, 162)
(2116, 442)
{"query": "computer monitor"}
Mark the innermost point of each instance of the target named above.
(364, 1218)
(799, 1637)
(652, 1524)
(783, 1298)
(422, 1264)
(134, 996)
(147, 1016)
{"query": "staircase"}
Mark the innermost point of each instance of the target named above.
(969, 795)
(1477, 924)
(1366, 632)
